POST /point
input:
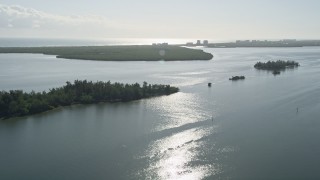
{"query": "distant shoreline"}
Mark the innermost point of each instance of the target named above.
(257, 44)
(117, 53)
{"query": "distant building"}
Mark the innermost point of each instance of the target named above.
(189, 44)
(160, 44)
(198, 42)
(205, 42)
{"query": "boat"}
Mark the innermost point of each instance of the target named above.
(235, 78)
(276, 72)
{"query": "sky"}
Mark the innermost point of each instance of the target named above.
(210, 19)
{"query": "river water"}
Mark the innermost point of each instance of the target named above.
(247, 129)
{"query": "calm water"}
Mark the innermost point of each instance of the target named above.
(256, 132)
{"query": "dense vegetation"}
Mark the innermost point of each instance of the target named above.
(276, 65)
(19, 103)
(117, 53)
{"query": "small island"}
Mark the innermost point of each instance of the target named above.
(117, 53)
(276, 65)
(18, 103)
(235, 78)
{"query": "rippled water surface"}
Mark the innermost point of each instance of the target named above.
(234, 130)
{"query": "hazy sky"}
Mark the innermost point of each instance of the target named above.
(211, 19)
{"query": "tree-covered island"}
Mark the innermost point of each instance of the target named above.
(117, 53)
(18, 103)
(276, 65)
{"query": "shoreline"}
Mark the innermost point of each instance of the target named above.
(116, 53)
(16, 103)
(77, 104)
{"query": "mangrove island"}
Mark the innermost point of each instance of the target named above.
(117, 53)
(18, 103)
(276, 65)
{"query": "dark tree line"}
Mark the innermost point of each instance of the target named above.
(19, 103)
(276, 65)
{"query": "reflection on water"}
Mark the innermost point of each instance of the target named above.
(183, 79)
(178, 109)
(176, 153)
(173, 157)
(194, 73)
